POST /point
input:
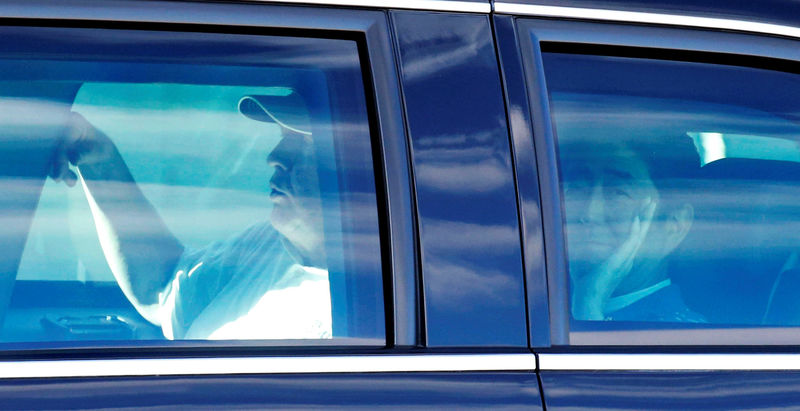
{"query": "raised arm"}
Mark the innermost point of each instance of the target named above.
(138, 246)
(591, 291)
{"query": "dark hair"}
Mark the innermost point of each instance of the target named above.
(672, 162)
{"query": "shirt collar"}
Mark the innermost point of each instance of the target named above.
(619, 302)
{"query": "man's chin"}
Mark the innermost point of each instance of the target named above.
(289, 227)
(281, 218)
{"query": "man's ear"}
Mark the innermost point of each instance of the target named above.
(679, 221)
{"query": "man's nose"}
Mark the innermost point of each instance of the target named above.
(283, 155)
(595, 205)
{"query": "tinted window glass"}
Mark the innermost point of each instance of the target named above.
(186, 186)
(680, 187)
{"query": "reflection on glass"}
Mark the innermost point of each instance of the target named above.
(716, 146)
(191, 209)
(229, 289)
(621, 228)
(680, 191)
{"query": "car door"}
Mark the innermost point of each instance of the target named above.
(202, 102)
(654, 107)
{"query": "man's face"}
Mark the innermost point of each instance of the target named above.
(605, 189)
(295, 193)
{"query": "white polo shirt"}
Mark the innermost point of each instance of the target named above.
(246, 287)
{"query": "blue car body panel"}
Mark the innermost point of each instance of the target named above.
(469, 237)
(523, 129)
(423, 391)
(739, 390)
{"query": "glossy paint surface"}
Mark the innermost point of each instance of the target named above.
(469, 237)
(367, 391)
(741, 390)
(525, 164)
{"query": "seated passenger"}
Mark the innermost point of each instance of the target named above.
(621, 228)
(268, 282)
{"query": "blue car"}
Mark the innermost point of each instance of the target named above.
(429, 204)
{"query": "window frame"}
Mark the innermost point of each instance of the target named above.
(369, 29)
(701, 45)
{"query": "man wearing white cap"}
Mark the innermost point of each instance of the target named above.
(268, 282)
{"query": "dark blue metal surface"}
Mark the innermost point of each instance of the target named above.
(470, 244)
(527, 179)
(421, 391)
(548, 185)
(671, 390)
(785, 12)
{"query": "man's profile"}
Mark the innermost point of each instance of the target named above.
(622, 225)
(268, 282)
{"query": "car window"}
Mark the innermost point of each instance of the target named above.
(187, 186)
(679, 185)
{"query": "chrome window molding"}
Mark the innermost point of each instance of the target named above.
(267, 365)
(430, 5)
(647, 18)
(669, 362)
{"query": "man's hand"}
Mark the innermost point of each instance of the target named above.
(592, 290)
(82, 144)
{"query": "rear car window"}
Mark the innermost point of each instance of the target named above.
(196, 186)
(679, 184)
